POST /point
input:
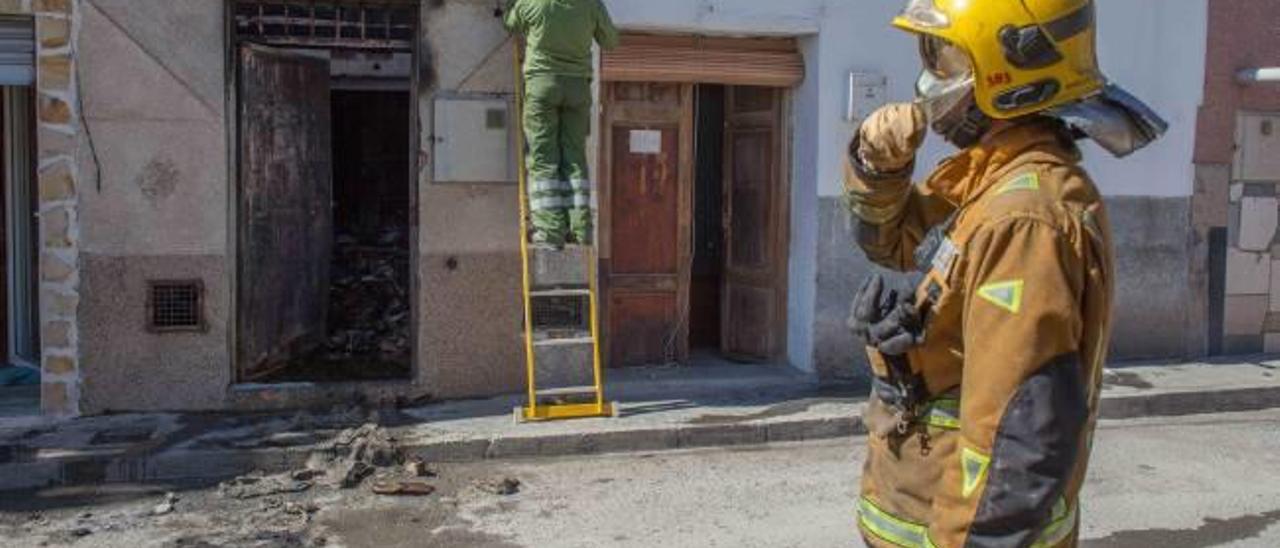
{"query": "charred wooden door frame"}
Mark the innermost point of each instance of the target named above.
(234, 196)
(779, 239)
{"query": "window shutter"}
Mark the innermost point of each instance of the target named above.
(17, 52)
(774, 62)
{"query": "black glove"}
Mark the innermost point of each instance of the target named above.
(884, 314)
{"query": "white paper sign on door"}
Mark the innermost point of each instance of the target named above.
(645, 141)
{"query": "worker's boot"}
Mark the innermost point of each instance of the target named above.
(550, 228)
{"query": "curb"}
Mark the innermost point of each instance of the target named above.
(191, 465)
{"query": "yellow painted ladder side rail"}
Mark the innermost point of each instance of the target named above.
(526, 283)
(602, 408)
(535, 411)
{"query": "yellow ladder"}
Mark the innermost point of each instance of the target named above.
(554, 402)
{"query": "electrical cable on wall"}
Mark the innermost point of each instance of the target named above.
(78, 89)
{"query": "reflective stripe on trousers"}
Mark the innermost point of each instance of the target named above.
(909, 534)
(581, 190)
(943, 413)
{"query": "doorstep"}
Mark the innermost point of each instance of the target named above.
(661, 409)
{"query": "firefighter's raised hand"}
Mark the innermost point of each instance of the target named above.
(889, 138)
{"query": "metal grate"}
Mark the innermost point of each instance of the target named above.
(385, 24)
(561, 313)
(175, 306)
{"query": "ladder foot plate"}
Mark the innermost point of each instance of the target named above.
(562, 412)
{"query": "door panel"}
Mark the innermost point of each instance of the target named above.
(647, 193)
(643, 332)
(754, 276)
(645, 203)
(749, 201)
(286, 216)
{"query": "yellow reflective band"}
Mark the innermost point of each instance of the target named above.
(974, 465)
(891, 528)
(1059, 528)
(1006, 295)
(1026, 181)
(944, 414)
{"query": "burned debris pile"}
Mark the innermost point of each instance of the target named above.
(369, 300)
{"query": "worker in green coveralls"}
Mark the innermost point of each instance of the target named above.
(557, 117)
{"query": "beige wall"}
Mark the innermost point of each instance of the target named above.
(156, 204)
(469, 321)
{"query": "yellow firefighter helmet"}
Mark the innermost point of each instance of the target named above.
(1018, 56)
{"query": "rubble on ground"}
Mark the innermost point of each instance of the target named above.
(258, 485)
(502, 487)
(344, 462)
(167, 506)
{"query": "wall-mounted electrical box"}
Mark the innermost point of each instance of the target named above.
(1257, 147)
(473, 139)
(867, 92)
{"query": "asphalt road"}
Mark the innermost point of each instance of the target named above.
(1207, 480)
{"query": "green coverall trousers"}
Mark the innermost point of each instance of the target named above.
(557, 121)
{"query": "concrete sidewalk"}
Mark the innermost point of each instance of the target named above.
(661, 409)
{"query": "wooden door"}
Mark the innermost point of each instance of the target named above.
(286, 216)
(646, 196)
(755, 209)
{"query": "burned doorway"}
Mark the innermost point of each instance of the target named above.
(694, 223)
(20, 350)
(326, 190)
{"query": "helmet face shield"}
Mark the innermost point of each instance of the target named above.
(925, 14)
(949, 106)
(940, 97)
(944, 59)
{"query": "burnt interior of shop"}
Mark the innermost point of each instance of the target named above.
(366, 334)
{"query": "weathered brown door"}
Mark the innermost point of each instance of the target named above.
(754, 278)
(286, 216)
(646, 197)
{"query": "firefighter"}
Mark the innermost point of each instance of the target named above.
(557, 117)
(988, 329)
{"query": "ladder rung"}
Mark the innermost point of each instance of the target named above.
(576, 341)
(568, 391)
(560, 293)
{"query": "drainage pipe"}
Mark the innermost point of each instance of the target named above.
(1265, 75)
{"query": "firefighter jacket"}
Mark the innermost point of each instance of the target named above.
(1013, 350)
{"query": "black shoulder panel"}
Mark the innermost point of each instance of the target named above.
(1034, 455)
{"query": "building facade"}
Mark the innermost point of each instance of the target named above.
(256, 204)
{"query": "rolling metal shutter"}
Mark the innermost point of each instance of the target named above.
(17, 52)
(774, 62)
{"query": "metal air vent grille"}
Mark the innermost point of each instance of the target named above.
(175, 305)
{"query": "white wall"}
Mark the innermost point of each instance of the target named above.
(1155, 48)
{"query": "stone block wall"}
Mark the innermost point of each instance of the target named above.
(57, 111)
